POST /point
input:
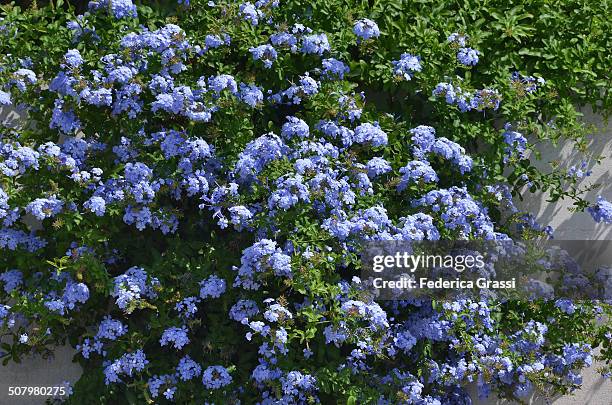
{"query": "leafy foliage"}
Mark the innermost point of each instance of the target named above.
(186, 208)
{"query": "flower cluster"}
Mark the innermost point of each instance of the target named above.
(406, 66)
(601, 211)
(366, 29)
(118, 8)
(468, 56)
(525, 84)
(478, 100)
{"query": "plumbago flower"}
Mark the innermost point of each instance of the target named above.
(468, 56)
(366, 29)
(190, 214)
(119, 8)
(407, 66)
(601, 211)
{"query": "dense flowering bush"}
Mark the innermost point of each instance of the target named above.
(186, 201)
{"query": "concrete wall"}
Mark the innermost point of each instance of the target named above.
(595, 391)
(580, 225)
(574, 226)
(38, 372)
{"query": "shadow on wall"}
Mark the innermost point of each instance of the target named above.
(596, 390)
(10, 118)
(579, 225)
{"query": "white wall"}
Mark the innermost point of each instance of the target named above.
(580, 225)
(574, 226)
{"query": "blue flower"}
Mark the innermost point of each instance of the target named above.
(418, 227)
(377, 166)
(289, 192)
(111, 329)
(366, 29)
(98, 97)
(370, 133)
(215, 41)
(284, 39)
(517, 143)
(372, 312)
(527, 84)
(5, 98)
(260, 258)
(566, 306)
(75, 293)
(128, 365)
(460, 212)
(334, 69)
(457, 39)
(64, 119)
(601, 211)
(223, 82)
(12, 279)
(43, 208)
(250, 94)
(23, 77)
(295, 127)
(315, 44)
(187, 307)
(73, 58)
(265, 53)
(119, 8)
(277, 313)
(250, 13)
(448, 91)
(406, 66)
(132, 286)
(12, 239)
(416, 171)
(240, 217)
(97, 205)
(215, 377)
(212, 287)
(296, 386)
(243, 309)
(176, 336)
(468, 56)
(188, 369)
(486, 98)
(257, 154)
(157, 382)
